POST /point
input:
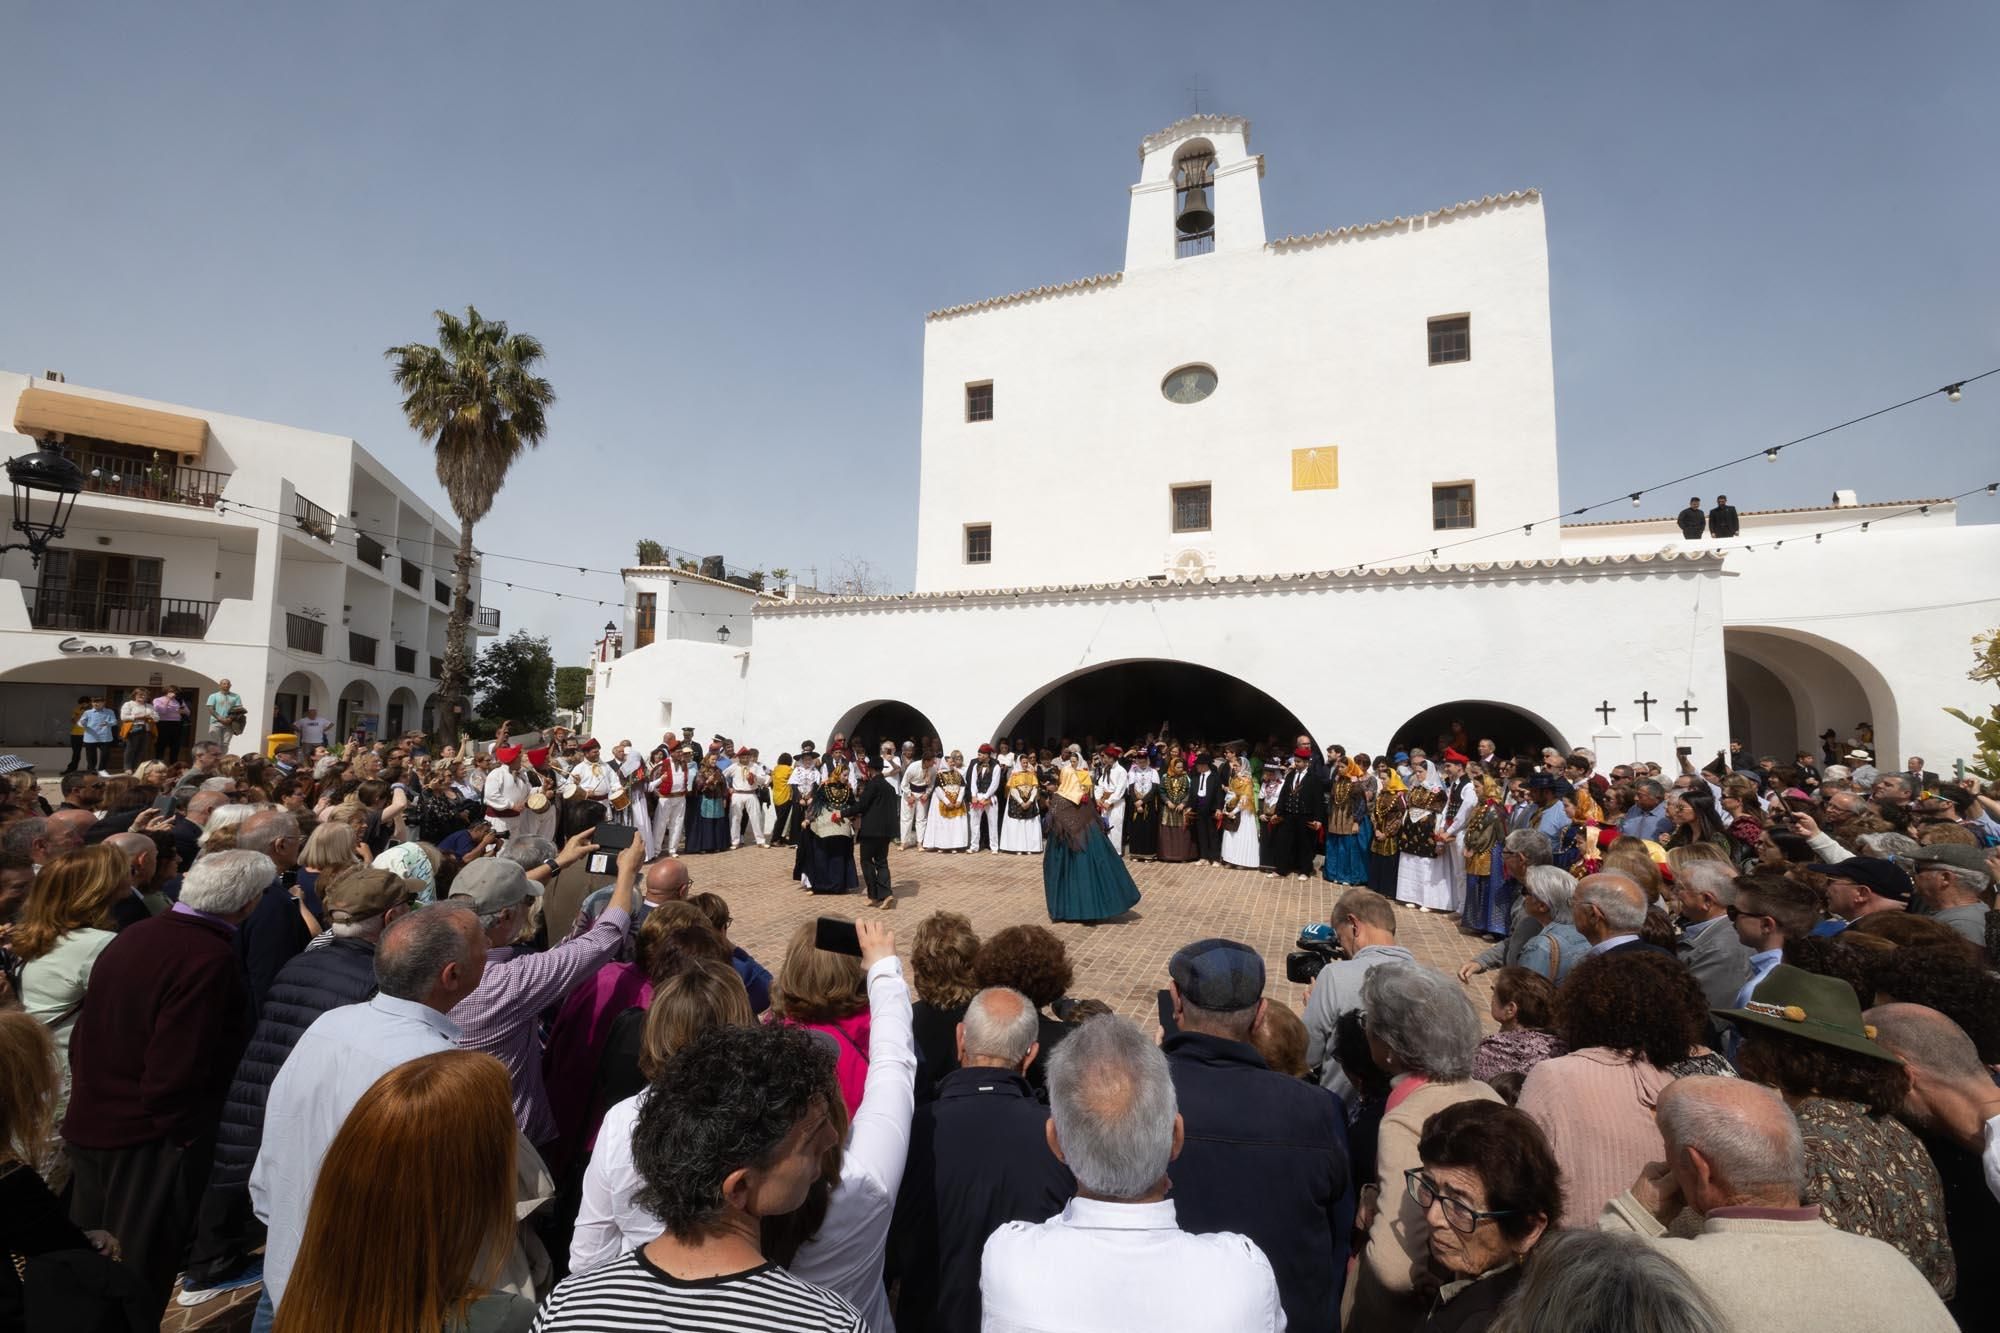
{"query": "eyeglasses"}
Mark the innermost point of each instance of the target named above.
(1460, 1216)
(1734, 912)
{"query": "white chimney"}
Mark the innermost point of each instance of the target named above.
(1844, 500)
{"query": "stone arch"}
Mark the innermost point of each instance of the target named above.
(867, 725)
(1121, 700)
(300, 690)
(430, 718)
(1514, 730)
(36, 697)
(1821, 683)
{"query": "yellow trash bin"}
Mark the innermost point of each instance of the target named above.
(279, 740)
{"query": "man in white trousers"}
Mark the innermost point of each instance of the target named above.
(1111, 783)
(744, 807)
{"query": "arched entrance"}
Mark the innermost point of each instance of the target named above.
(429, 723)
(867, 725)
(360, 705)
(36, 698)
(1785, 687)
(1122, 701)
(402, 713)
(302, 690)
(1466, 722)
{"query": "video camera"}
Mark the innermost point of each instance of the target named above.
(1317, 947)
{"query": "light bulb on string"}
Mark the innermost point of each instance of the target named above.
(1954, 392)
(1771, 455)
(1635, 499)
(1864, 527)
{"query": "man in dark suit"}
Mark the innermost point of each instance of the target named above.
(877, 812)
(1301, 806)
(1722, 518)
(1693, 522)
(1207, 790)
(1609, 910)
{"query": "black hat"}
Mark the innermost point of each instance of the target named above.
(1218, 975)
(1883, 878)
(806, 747)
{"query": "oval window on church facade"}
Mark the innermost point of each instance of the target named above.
(1189, 384)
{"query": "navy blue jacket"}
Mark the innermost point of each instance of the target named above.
(1266, 1157)
(306, 987)
(274, 935)
(979, 1157)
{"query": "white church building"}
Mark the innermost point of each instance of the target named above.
(1231, 488)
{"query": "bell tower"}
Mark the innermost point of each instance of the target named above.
(1198, 193)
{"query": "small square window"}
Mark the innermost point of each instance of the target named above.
(978, 543)
(1191, 508)
(979, 401)
(1451, 339)
(1451, 506)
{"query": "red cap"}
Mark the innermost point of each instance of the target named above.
(1112, 752)
(986, 749)
(589, 743)
(506, 754)
(536, 758)
(1303, 752)
(1452, 756)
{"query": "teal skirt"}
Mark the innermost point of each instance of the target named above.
(1082, 878)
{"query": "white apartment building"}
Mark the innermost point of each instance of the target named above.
(208, 547)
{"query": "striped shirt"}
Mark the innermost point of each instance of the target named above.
(633, 1293)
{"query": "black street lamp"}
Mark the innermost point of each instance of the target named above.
(49, 474)
(722, 635)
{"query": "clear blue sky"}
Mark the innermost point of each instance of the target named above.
(727, 222)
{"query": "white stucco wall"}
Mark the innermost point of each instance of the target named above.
(1300, 641)
(1319, 342)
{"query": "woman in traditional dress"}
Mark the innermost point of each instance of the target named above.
(708, 824)
(1176, 812)
(949, 825)
(1488, 906)
(1273, 785)
(1142, 814)
(1346, 822)
(1021, 821)
(1082, 878)
(1239, 821)
(1423, 874)
(1385, 812)
(830, 863)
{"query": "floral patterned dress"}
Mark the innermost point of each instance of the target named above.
(1871, 1176)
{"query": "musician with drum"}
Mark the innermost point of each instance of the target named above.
(593, 787)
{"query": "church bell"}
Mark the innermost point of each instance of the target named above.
(1195, 215)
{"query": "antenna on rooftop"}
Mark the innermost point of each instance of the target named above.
(1194, 95)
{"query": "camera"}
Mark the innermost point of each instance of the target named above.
(1317, 948)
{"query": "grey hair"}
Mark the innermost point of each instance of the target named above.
(1717, 879)
(418, 947)
(1619, 911)
(528, 852)
(227, 882)
(1531, 845)
(1608, 1282)
(217, 784)
(1969, 880)
(274, 825)
(1000, 1038)
(22, 834)
(1423, 1017)
(1113, 1104)
(1654, 789)
(224, 817)
(1888, 845)
(1554, 888)
(1754, 1149)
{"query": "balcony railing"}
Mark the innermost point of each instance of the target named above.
(441, 592)
(360, 648)
(304, 634)
(369, 550)
(96, 612)
(166, 481)
(489, 617)
(312, 520)
(437, 668)
(406, 660)
(413, 576)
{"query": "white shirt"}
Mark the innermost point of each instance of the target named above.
(1118, 1266)
(311, 730)
(336, 1060)
(505, 790)
(744, 779)
(846, 1256)
(1992, 1156)
(593, 778)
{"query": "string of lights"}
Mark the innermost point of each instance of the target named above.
(1770, 453)
(1863, 525)
(1952, 392)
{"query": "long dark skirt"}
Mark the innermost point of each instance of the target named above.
(1177, 842)
(1347, 857)
(1382, 872)
(1082, 878)
(831, 865)
(1489, 901)
(1142, 833)
(707, 833)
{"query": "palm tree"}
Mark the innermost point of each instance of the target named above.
(477, 401)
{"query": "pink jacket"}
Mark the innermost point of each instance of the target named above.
(850, 1039)
(1596, 1106)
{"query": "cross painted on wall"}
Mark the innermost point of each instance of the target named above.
(1605, 710)
(1687, 710)
(1646, 702)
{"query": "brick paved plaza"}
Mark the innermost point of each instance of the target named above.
(1122, 962)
